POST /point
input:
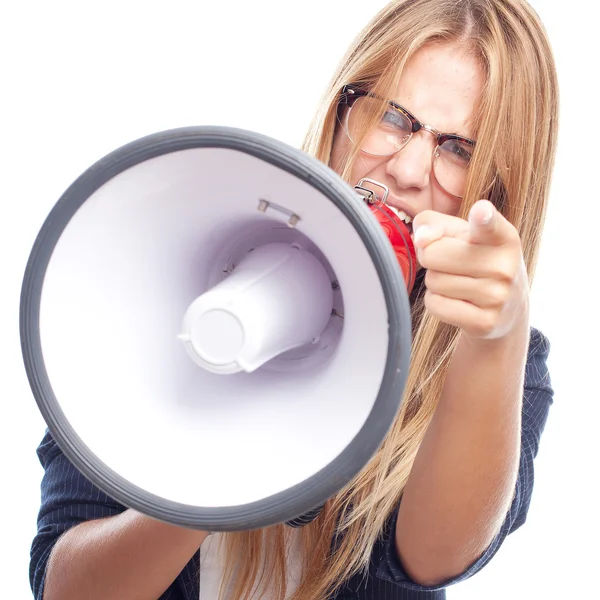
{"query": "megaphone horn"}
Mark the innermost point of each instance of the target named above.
(216, 327)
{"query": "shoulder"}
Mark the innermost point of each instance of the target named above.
(537, 374)
(48, 449)
(539, 344)
(538, 393)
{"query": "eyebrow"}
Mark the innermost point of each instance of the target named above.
(398, 106)
(356, 88)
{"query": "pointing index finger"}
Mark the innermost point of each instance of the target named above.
(487, 225)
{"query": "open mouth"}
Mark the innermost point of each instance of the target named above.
(406, 219)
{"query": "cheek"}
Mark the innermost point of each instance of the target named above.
(445, 203)
(339, 151)
(367, 166)
(363, 165)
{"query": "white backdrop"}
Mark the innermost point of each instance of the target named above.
(81, 79)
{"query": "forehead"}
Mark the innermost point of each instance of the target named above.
(440, 85)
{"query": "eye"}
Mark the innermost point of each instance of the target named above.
(395, 120)
(457, 151)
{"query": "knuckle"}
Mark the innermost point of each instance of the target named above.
(421, 218)
(431, 277)
(429, 301)
(513, 236)
(504, 271)
(486, 323)
(499, 294)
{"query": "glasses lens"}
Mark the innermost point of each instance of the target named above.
(451, 165)
(388, 131)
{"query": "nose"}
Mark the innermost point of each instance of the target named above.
(411, 167)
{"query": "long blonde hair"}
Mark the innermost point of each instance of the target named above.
(516, 129)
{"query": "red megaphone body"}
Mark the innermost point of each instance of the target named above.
(394, 227)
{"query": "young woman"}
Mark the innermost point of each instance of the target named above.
(452, 105)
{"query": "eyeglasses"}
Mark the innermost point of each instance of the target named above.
(451, 157)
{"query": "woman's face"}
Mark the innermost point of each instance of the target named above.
(439, 86)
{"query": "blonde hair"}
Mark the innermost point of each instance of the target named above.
(516, 131)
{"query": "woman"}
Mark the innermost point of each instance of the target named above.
(454, 476)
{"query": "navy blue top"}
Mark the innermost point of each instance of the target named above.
(68, 498)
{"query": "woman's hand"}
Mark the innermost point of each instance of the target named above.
(476, 277)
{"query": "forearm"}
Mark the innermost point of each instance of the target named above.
(464, 475)
(126, 556)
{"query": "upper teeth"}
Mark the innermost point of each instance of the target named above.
(406, 218)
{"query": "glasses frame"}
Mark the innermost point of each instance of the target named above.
(350, 93)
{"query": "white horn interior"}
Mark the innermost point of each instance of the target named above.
(125, 270)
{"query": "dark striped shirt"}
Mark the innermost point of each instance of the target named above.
(68, 498)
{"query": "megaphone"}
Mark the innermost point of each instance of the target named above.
(216, 327)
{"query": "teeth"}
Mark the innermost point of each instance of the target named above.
(406, 218)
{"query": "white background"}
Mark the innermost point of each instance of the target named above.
(81, 79)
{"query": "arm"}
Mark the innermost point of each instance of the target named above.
(463, 489)
(463, 478)
(537, 400)
(88, 546)
(125, 556)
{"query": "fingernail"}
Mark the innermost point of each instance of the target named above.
(419, 255)
(488, 213)
(422, 233)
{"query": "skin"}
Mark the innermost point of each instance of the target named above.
(439, 87)
(128, 556)
(476, 280)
